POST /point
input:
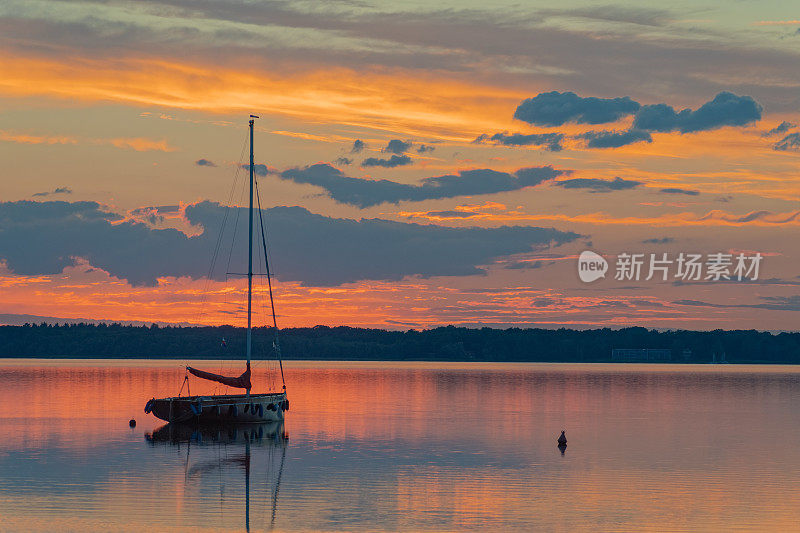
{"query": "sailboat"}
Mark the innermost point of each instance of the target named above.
(232, 408)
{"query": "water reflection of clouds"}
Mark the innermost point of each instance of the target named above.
(415, 446)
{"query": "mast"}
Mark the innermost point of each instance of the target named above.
(275, 342)
(250, 254)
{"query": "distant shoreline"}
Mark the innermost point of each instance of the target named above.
(410, 360)
(455, 344)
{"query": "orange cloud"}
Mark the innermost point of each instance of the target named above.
(424, 104)
(85, 292)
(24, 138)
(140, 144)
(712, 218)
(777, 22)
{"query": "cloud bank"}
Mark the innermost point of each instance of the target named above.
(358, 146)
(396, 146)
(726, 109)
(57, 190)
(556, 109)
(675, 190)
(598, 185)
(45, 237)
(550, 141)
(790, 142)
(394, 161)
(614, 139)
(366, 193)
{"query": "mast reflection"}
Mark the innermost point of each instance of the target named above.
(268, 438)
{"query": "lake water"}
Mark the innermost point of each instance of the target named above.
(407, 446)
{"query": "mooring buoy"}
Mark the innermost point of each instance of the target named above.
(132, 423)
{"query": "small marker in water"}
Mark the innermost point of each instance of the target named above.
(132, 423)
(562, 439)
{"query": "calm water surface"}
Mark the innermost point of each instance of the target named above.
(417, 446)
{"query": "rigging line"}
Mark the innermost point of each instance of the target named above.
(269, 282)
(218, 244)
(259, 314)
(270, 364)
(221, 231)
(235, 225)
(278, 485)
(235, 229)
(226, 365)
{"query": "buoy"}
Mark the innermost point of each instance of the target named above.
(562, 439)
(132, 423)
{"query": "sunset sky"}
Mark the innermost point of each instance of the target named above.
(419, 164)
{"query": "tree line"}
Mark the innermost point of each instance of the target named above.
(440, 344)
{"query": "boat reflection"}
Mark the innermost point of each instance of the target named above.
(268, 438)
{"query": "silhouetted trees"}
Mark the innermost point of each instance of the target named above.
(444, 343)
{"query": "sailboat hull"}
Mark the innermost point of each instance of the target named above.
(223, 409)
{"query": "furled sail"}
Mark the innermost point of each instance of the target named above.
(242, 382)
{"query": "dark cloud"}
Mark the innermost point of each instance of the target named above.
(396, 146)
(422, 148)
(551, 141)
(366, 193)
(45, 237)
(772, 303)
(358, 146)
(524, 265)
(543, 302)
(662, 240)
(674, 190)
(555, 109)
(783, 127)
(394, 161)
(790, 142)
(259, 169)
(726, 109)
(598, 185)
(646, 303)
(204, 163)
(57, 190)
(343, 161)
(614, 139)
